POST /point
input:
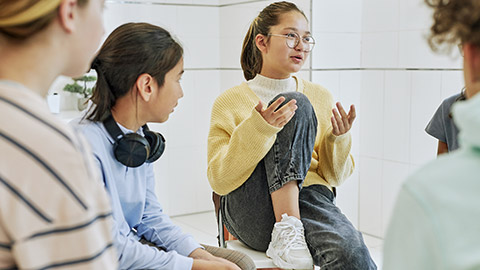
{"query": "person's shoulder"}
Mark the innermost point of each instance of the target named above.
(232, 94)
(93, 131)
(450, 100)
(234, 90)
(446, 172)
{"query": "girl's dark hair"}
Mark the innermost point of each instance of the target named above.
(455, 22)
(129, 51)
(28, 27)
(251, 57)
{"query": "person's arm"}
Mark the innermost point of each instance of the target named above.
(158, 228)
(442, 148)
(235, 146)
(204, 260)
(335, 163)
(436, 129)
(411, 241)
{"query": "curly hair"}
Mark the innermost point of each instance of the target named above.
(455, 22)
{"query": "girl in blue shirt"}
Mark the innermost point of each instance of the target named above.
(139, 69)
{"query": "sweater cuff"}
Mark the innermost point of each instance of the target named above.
(341, 138)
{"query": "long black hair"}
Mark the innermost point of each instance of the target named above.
(129, 51)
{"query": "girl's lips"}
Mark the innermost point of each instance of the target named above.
(297, 59)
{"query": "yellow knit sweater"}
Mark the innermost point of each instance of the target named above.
(239, 139)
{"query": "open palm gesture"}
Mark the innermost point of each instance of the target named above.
(341, 121)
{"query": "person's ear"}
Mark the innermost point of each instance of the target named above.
(67, 14)
(471, 58)
(261, 43)
(145, 84)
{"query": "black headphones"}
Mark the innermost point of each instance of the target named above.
(132, 150)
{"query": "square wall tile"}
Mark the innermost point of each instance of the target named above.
(379, 50)
(415, 15)
(201, 52)
(236, 20)
(341, 16)
(328, 79)
(380, 15)
(350, 94)
(370, 114)
(198, 21)
(118, 13)
(370, 196)
(394, 174)
(230, 78)
(452, 83)
(336, 50)
(426, 97)
(230, 52)
(183, 174)
(414, 52)
(396, 120)
(206, 90)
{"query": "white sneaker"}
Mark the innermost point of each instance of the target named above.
(288, 248)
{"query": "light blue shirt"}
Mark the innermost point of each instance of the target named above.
(436, 220)
(136, 210)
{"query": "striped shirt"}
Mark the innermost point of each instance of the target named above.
(54, 212)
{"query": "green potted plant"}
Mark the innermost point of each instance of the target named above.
(82, 90)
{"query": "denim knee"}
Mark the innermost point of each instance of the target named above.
(303, 103)
(348, 254)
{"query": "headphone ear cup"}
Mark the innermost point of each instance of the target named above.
(157, 145)
(132, 150)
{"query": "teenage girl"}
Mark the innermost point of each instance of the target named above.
(54, 212)
(276, 166)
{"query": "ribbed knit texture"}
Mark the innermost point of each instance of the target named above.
(240, 138)
(266, 89)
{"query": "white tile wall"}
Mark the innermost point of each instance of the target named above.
(394, 174)
(379, 50)
(341, 16)
(380, 15)
(414, 15)
(336, 50)
(370, 114)
(426, 96)
(414, 52)
(370, 192)
(396, 116)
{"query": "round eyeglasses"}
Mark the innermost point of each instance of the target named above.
(293, 39)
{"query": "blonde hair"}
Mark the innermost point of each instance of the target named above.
(455, 22)
(21, 19)
(251, 57)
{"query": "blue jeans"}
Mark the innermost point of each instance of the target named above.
(248, 212)
(333, 241)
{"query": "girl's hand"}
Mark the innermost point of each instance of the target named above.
(278, 117)
(341, 122)
(200, 264)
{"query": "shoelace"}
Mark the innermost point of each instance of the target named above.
(294, 236)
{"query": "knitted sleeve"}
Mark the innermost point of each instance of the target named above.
(335, 163)
(238, 140)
